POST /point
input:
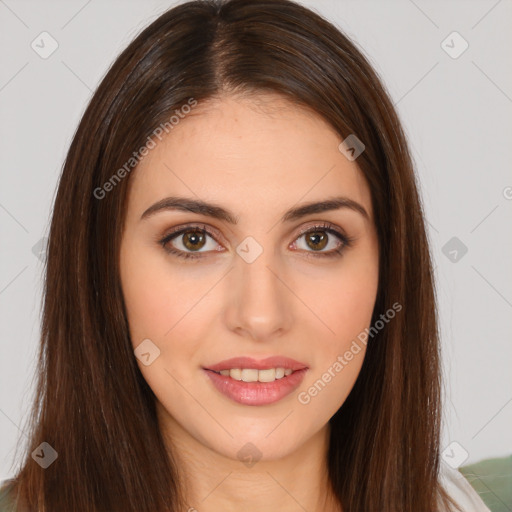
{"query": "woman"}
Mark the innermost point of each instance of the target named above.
(239, 301)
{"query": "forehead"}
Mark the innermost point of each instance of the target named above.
(261, 151)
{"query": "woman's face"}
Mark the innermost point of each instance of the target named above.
(253, 287)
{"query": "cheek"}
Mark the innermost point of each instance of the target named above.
(160, 302)
(345, 301)
(339, 355)
(174, 311)
(326, 391)
(164, 307)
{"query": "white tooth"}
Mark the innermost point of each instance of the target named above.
(236, 374)
(249, 375)
(267, 375)
(253, 375)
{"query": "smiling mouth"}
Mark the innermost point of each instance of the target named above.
(249, 386)
(253, 375)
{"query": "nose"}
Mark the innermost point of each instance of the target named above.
(260, 300)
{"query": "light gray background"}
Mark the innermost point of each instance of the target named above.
(456, 112)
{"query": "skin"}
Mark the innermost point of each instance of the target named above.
(257, 156)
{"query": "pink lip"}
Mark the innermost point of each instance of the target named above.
(257, 393)
(250, 363)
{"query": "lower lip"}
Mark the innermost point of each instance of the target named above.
(256, 393)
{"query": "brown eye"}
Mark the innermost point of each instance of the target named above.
(316, 240)
(189, 242)
(194, 240)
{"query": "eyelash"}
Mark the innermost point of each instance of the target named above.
(327, 227)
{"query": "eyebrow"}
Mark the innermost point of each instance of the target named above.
(220, 213)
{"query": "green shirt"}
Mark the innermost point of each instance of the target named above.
(6, 503)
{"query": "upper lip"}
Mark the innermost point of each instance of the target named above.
(257, 364)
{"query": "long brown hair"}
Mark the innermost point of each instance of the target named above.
(93, 406)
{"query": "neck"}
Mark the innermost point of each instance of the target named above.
(213, 482)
